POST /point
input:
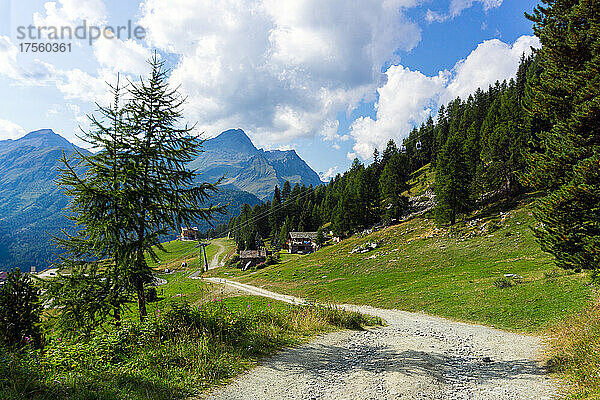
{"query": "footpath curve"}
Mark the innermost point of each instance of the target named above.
(416, 356)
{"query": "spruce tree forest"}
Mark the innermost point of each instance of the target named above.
(477, 147)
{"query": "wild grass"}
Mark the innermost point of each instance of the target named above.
(575, 352)
(174, 354)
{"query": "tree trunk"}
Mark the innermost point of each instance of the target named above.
(117, 316)
(141, 299)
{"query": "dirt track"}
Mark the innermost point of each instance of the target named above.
(415, 357)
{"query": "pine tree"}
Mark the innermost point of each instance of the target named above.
(567, 95)
(98, 209)
(320, 240)
(275, 213)
(165, 194)
(392, 185)
(452, 182)
(20, 310)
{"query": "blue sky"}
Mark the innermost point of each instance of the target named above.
(332, 79)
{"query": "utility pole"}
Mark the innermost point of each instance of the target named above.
(203, 245)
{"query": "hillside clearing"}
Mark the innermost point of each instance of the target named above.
(457, 273)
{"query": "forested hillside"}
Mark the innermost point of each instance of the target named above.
(477, 146)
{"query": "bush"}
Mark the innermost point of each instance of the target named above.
(171, 355)
(151, 294)
(493, 225)
(555, 273)
(233, 260)
(20, 309)
(503, 283)
(261, 265)
(271, 260)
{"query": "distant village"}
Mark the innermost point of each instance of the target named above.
(296, 243)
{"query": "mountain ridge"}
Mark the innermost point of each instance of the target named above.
(32, 205)
(233, 155)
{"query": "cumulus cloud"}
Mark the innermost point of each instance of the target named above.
(35, 72)
(329, 174)
(79, 85)
(457, 7)
(278, 68)
(492, 60)
(127, 56)
(113, 54)
(10, 130)
(68, 12)
(408, 97)
(405, 100)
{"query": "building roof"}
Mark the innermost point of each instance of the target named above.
(303, 235)
(3, 275)
(253, 253)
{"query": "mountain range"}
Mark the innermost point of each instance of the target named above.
(31, 204)
(233, 155)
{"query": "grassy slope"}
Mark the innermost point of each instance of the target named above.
(179, 251)
(575, 352)
(452, 274)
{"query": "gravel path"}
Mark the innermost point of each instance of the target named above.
(415, 357)
(214, 263)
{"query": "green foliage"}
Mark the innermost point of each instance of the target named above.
(84, 298)
(452, 182)
(503, 283)
(136, 189)
(392, 185)
(20, 310)
(175, 355)
(567, 160)
(151, 294)
(233, 260)
(575, 351)
(320, 240)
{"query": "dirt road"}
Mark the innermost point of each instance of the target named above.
(415, 356)
(214, 262)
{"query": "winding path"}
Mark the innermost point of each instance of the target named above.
(416, 356)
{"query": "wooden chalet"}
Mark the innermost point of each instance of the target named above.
(302, 242)
(189, 233)
(251, 258)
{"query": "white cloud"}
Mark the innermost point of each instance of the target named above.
(10, 130)
(492, 60)
(457, 7)
(35, 72)
(329, 174)
(69, 12)
(277, 68)
(113, 54)
(126, 56)
(408, 97)
(79, 85)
